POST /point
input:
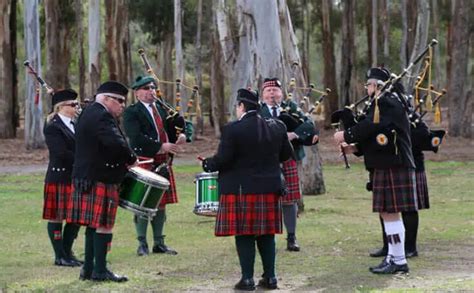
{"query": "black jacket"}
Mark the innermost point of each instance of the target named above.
(246, 164)
(385, 144)
(102, 152)
(61, 143)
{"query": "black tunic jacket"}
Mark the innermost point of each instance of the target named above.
(386, 144)
(246, 164)
(61, 143)
(102, 152)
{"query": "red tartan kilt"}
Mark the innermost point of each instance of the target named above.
(96, 208)
(290, 172)
(248, 214)
(170, 196)
(394, 190)
(422, 190)
(56, 198)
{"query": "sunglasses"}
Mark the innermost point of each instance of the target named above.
(119, 100)
(72, 104)
(148, 87)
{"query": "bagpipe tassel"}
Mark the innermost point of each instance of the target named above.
(429, 102)
(319, 109)
(437, 115)
(376, 112)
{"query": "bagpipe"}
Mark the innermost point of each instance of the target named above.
(293, 116)
(45, 85)
(175, 122)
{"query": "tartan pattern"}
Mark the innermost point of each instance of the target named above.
(56, 198)
(290, 172)
(394, 190)
(248, 214)
(422, 190)
(170, 196)
(96, 208)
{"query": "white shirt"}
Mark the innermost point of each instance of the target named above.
(67, 121)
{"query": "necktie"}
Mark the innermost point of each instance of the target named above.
(159, 124)
(274, 111)
(72, 127)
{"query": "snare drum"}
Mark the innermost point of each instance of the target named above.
(141, 191)
(207, 194)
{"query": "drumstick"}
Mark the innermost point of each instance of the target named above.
(149, 161)
(200, 158)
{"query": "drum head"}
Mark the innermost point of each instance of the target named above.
(149, 178)
(205, 175)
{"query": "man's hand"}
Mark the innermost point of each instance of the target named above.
(339, 137)
(348, 148)
(170, 148)
(291, 136)
(315, 139)
(181, 139)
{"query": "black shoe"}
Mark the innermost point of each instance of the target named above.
(142, 249)
(73, 258)
(292, 245)
(161, 248)
(379, 253)
(108, 276)
(390, 268)
(64, 262)
(380, 265)
(410, 254)
(245, 285)
(83, 276)
(268, 283)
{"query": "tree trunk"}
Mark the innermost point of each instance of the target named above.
(221, 53)
(460, 79)
(404, 44)
(347, 52)
(59, 25)
(94, 46)
(178, 46)
(198, 69)
(421, 40)
(437, 78)
(167, 66)
(412, 15)
(8, 89)
(368, 26)
(310, 169)
(33, 106)
(80, 43)
(386, 30)
(374, 33)
(305, 57)
(117, 40)
(331, 102)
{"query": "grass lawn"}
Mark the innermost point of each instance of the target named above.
(336, 231)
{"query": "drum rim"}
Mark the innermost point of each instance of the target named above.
(207, 175)
(137, 176)
(136, 208)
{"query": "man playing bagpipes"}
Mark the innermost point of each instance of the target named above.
(300, 131)
(149, 132)
(422, 139)
(383, 137)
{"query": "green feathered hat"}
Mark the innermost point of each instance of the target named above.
(141, 81)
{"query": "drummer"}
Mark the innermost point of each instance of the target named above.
(145, 123)
(100, 164)
(248, 161)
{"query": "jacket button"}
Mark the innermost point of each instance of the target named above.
(53, 169)
(64, 169)
(107, 164)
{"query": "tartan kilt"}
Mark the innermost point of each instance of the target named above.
(422, 190)
(394, 190)
(96, 207)
(170, 196)
(56, 198)
(248, 214)
(292, 180)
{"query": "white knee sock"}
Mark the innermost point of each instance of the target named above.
(396, 241)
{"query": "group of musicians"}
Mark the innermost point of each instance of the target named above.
(257, 161)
